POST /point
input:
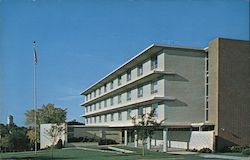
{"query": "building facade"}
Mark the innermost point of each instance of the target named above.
(175, 81)
(10, 120)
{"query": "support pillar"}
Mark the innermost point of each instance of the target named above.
(136, 139)
(101, 133)
(148, 143)
(125, 137)
(188, 142)
(165, 139)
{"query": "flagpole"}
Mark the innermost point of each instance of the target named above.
(35, 96)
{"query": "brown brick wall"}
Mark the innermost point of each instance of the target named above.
(230, 77)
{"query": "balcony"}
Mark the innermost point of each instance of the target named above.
(130, 104)
(128, 86)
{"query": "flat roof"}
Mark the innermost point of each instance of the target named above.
(141, 56)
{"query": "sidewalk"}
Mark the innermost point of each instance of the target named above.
(224, 157)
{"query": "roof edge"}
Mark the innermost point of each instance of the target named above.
(137, 55)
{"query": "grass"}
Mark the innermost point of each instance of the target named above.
(74, 154)
(233, 154)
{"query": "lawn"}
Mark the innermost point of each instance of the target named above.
(72, 154)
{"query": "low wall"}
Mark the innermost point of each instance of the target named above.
(46, 140)
(186, 139)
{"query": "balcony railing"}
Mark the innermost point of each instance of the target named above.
(131, 84)
(131, 104)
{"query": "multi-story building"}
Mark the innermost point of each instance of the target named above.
(10, 120)
(194, 89)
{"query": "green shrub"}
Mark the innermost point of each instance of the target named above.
(246, 152)
(205, 150)
(106, 142)
(237, 149)
(192, 150)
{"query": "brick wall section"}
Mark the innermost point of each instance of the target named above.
(229, 91)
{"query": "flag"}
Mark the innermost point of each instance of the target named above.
(35, 57)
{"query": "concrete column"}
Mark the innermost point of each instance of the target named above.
(165, 139)
(101, 133)
(189, 138)
(148, 143)
(125, 137)
(136, 139)
(199, 128)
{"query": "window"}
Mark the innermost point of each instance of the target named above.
(119, 116)
(105, 118)
(128, 95)
(90, 108)
(100, 91)
(95, 93)
(119, 98)
(99, 104)
(105, 88)
(129, 114)
(94, 106)
(112, 116)
(100, 119)
(154, 62)
(94, 119)
(111, 85)
(86, 98)
(155, 108)
(139, 70)
(206, 102)
(206, 110)
(86, 109)
(87, 120)
(119, 80)
(206, 116)
(206, 89)
(90, 120)
(140, 91)
(105, 103)
(111, 101)
(140, 112)
(154, 88)
(90, 96)
(128, 75)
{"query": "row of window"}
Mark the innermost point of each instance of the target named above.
(206, 95)
(154, 64)
(154, 89)
(141, 111)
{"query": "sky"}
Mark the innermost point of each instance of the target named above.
(80, 41)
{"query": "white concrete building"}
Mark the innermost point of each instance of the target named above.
(183, 85)
(163, 77)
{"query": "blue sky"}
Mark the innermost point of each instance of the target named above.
(80, 41)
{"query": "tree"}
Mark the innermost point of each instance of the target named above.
(5, 143)
(13, 138)
(145, 127)
(54, 133)
(46, 114)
